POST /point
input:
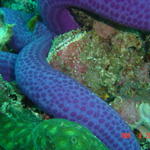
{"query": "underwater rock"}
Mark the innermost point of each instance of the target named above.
(108, 67)
(111, 66)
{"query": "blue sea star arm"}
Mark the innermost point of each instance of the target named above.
(7, 65)
(63, 97)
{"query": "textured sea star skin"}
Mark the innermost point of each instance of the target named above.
(131, 13)
(58, 94)
(7, 65)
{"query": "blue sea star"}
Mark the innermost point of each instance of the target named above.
(56, 93)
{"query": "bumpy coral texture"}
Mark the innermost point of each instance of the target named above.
(64, 97)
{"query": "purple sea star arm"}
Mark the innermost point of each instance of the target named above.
(62, 96)
(56, 93)
(7, 65)
(131, 13)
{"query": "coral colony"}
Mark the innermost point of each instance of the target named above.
(74, 75)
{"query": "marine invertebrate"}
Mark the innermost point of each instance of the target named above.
(22, 127)
(75, 102)
(58, 134)
(123, 12)
(7, 65)
(65, 97)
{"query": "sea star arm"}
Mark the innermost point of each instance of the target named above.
(63, 97)
(131, 13)
(7, 65)
(58, 94)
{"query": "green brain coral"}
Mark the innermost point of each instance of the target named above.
(53, 134)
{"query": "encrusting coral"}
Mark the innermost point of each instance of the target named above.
(109, 68)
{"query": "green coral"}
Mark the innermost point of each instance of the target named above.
(28, 6)
(54, 134)
(21, 128)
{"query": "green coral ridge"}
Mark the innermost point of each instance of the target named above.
(21, 128)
